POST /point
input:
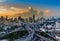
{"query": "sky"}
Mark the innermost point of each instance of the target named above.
(37, 3)
(52, 5)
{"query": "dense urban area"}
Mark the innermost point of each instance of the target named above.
(29, 29)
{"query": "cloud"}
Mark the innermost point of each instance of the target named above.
(3, 10)
(46, 11)
(11, 11)
(12, 8)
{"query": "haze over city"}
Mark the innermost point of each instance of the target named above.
(14, 7)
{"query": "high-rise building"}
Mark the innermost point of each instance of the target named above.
(6, 17)
(33, 17)
(41, 14)
(30, 19)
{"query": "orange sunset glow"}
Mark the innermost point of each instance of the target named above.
(24, 12)
(11, 11)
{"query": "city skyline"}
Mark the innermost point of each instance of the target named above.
(11, 7)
